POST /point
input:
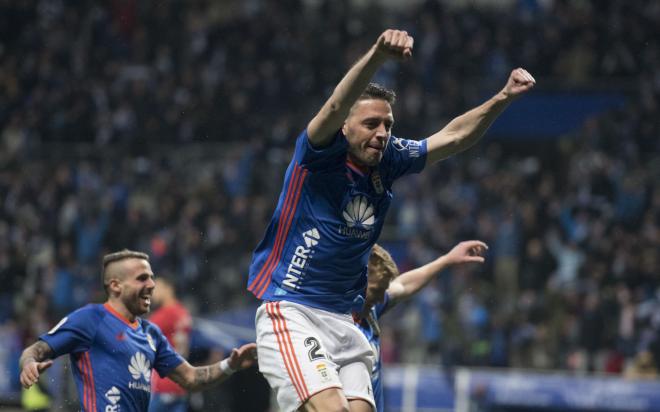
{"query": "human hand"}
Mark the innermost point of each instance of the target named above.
(395, 43)
(466, 252)
(243, 357)
(520, 81)
(31, 371)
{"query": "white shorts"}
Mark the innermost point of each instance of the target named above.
(303, 351)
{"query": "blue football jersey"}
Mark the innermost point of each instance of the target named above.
(329, 215)
(371, 330)
(111, 357)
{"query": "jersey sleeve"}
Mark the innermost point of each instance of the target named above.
(166, 357)
(320, 158)
(382, 307)
(74, 333)
(403, 157)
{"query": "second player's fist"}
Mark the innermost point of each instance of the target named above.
(520, 81)
(395, 43)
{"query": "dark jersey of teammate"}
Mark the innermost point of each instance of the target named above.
(371, 330)
(111, 357)
(329, 215)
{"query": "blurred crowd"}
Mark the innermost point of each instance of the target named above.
(167, 126)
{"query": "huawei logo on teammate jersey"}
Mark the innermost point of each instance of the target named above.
(140, 366)
(359, 213)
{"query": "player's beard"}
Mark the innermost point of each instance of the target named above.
(363, 156)
(136, 304)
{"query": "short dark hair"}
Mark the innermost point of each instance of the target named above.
(116, 257)
(377, 91)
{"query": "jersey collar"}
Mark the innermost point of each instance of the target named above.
(121, 317)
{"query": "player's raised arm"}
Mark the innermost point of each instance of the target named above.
(201, 377)
(34, 360)
(390, 44)
(411, 282)
(466, 129)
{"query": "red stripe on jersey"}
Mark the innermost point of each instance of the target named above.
(283, 352)
(82, 375)
(287, 215)
(257, 282)
(92, 386)
(86, 386)
(280, 248)
(273, 258)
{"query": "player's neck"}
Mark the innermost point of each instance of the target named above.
(355, 163)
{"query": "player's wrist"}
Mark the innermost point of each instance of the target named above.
(443, 262)
(504, 96)
(23, 362)
(378, 54)
(226, 368)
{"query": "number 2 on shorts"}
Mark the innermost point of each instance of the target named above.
(315, 348)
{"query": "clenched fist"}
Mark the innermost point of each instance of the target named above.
(520, 81)
(395, 43)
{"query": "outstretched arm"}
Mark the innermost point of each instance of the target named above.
(392, 43)
(201, 377)
(411, 282)
(34, 360)
(465, 130)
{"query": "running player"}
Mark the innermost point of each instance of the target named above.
(386, 288)
(312, 262)
(113, 351)
(175, 322)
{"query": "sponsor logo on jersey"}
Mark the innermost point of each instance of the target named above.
(359, 213)
(113, 395)
(412, 146)
(311, 237)
(298, 262)
(140, 369)
(360, 217)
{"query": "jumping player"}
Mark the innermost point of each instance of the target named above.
(312, 262)
(386, 288)
(113, 351)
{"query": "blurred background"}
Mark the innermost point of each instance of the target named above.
(166, 127)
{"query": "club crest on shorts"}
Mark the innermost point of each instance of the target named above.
(322, 369)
